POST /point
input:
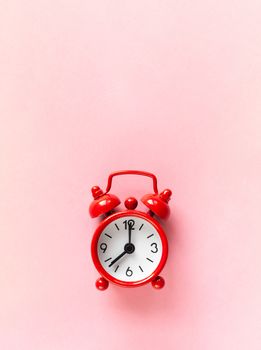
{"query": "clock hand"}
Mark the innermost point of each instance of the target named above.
(130, 228)
(118, 258)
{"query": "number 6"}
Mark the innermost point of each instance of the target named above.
(129, 272)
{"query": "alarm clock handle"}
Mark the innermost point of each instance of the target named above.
(132, 172)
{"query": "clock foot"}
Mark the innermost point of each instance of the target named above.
(101, 283)
(158, 282)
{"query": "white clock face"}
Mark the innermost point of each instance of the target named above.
(129, 248)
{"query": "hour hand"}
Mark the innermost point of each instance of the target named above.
(118, 258)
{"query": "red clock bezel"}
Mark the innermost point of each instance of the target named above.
(118, 215)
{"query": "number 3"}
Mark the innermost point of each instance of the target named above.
(155, 245)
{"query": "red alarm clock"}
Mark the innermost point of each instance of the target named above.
(129, 248)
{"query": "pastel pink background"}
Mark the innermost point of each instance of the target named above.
(172, 87)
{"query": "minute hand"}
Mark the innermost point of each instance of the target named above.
(118, 258)
(130, 228)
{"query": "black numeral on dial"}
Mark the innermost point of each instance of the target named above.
(129, 223)
(154, 245)
(129, 272)
(103, 247)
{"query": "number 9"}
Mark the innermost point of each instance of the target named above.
(103, 247)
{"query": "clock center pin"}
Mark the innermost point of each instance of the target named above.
(129, 248)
